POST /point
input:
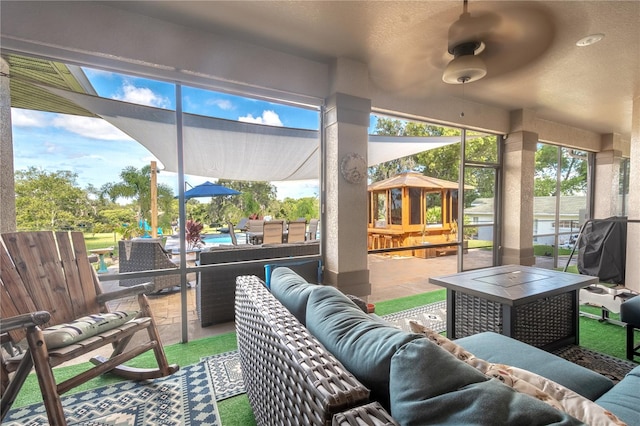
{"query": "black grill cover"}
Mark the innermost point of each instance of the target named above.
(602, 249)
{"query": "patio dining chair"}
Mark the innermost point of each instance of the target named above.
(313, 229)
(232, 234)
(50, 272)
(297, 231)
(272, 232)
(254, 231)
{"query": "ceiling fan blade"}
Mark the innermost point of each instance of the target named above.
(521, 37)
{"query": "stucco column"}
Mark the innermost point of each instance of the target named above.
(346, 123)
(607, 173)
(7, 187)
(517, 227)
(632, 273)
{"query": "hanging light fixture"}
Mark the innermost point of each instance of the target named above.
(466, 66)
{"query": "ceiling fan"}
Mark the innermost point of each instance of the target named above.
(489, 42)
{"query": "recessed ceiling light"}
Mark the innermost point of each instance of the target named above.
(589, 40)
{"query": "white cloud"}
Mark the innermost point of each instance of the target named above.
(141, 96)
(29, 118)
(268, 117)
(223, 104)
(297, 189)
(50, 147)
(94, 128)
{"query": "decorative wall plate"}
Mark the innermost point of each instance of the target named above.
(353, 168)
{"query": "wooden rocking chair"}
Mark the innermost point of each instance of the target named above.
(47, 271)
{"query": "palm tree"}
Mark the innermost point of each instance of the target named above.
(136, 185)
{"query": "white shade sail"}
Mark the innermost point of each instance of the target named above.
(226, 149)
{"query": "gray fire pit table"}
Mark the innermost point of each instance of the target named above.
(534, 305)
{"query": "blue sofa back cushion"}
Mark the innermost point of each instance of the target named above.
(292, 291)
(363, 345)
(430, 386)
(624, 398)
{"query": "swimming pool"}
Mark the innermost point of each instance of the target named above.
(216, 239)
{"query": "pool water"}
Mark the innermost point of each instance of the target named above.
(215, 239)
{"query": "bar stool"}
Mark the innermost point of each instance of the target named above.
(387, 241)
(630, 314)
(375, 244)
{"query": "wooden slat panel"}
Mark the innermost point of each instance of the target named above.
(13, 285)
(7, 310)
(46, 248)
(87, 275)
(35, 256)
(72, 277)
(14, 299)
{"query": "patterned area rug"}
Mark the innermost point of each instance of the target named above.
(226, 373)
(184, 398)
(434, 316)
(613, 368)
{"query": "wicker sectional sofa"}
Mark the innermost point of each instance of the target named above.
(309, 355)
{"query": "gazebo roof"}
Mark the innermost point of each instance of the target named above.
(414, 180)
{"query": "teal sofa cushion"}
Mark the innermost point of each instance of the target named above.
(430, 386)
(363, 345)
(292, 291)
(624, 399)
(500, 349)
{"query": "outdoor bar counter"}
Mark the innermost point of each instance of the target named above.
(215, 288)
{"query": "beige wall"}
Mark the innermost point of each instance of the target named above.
(7, 191)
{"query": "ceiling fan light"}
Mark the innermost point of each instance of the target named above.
(464, 69)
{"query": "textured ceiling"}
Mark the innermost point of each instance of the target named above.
(531, 54)
(532, 58)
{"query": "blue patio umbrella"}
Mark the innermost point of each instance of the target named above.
(209, 189)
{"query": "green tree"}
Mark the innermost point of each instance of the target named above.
(198, 211)
(573, 171)
(255, 198)
(444, 162)
(391, 127)
(114, 217)
(50, 201)
(292, 209)
(135, 185)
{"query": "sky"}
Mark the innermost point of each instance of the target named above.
(97, 151)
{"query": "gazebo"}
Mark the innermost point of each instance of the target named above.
(411, 210)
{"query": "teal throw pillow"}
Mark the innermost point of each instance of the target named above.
(428, 385)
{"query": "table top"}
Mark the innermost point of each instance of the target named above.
(513, 284)
(102, 250)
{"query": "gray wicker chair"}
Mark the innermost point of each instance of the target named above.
(146, 255)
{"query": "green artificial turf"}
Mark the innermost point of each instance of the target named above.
(596, 335)
(408, 302)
